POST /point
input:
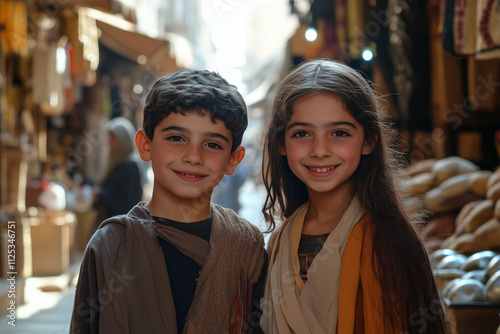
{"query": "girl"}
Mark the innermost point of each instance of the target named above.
(347, 258)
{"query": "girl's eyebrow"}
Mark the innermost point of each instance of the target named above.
(331, 124)
(184, 130)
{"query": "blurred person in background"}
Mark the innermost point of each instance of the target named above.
(121, 185)
(227, 192)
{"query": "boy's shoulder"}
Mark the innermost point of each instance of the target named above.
(235, 225)
(112, 233)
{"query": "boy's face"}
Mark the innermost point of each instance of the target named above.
(189, 155)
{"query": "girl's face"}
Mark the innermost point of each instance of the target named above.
(323, 143)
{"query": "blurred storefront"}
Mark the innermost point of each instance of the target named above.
(66, 68)
(437, 66)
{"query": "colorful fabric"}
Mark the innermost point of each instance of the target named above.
(472, 28)
(13, 27)
(242, 305)
(309, 247)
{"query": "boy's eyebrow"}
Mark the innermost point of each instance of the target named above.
(217, 135)
(302, 124)
(184, 130)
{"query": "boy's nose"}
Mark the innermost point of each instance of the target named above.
(193, 155)
(320, 148)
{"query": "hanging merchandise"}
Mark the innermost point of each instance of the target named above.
(83, 36)
(488, 18)
(459, 35)
(355, 28)
(403, 56)
(67, 81)
(13, 27)
(49, 65)
(472, 28)
(3, 93)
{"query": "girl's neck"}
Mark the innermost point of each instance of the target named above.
(325, 211)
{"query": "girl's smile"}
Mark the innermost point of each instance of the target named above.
(321, 171)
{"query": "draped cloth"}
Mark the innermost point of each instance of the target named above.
(289, 304)
(124, 287)
(356, 295)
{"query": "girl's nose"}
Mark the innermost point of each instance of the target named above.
(320, 148)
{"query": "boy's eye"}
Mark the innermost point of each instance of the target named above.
(340, 133)
(300, 134)
(175, 138)
(214, 145)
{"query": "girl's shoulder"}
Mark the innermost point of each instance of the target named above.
(272, 240)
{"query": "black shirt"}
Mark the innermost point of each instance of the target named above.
(183, 272)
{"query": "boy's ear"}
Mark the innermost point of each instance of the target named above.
(235, 160)
(143, 145)
(369, 146)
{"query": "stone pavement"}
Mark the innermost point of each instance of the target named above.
(49, 300)
(47, 308)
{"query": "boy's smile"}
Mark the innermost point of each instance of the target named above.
(190, 176)
(189, 155)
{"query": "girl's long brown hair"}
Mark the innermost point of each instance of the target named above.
(412, 301)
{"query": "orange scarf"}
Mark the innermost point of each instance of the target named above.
(360, 294)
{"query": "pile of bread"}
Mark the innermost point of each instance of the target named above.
(463, 201)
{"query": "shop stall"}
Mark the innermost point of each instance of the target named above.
(437, 65)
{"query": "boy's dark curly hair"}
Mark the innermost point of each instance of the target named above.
(196, 90)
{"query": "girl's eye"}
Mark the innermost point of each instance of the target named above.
(175, 138)
(340, 133)
(300, 134)
(214, 146)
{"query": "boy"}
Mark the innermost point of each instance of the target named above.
(178, 264)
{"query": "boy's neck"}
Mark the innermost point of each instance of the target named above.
(181, 211)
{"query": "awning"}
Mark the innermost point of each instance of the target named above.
(165, 54)
(105, 5)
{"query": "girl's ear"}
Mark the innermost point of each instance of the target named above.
(235, 159)
(143, 145)
(369, 146)
(282, 150)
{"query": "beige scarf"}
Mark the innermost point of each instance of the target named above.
(289, 304)
(124, 286)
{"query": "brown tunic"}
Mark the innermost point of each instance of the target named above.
(124, 287)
